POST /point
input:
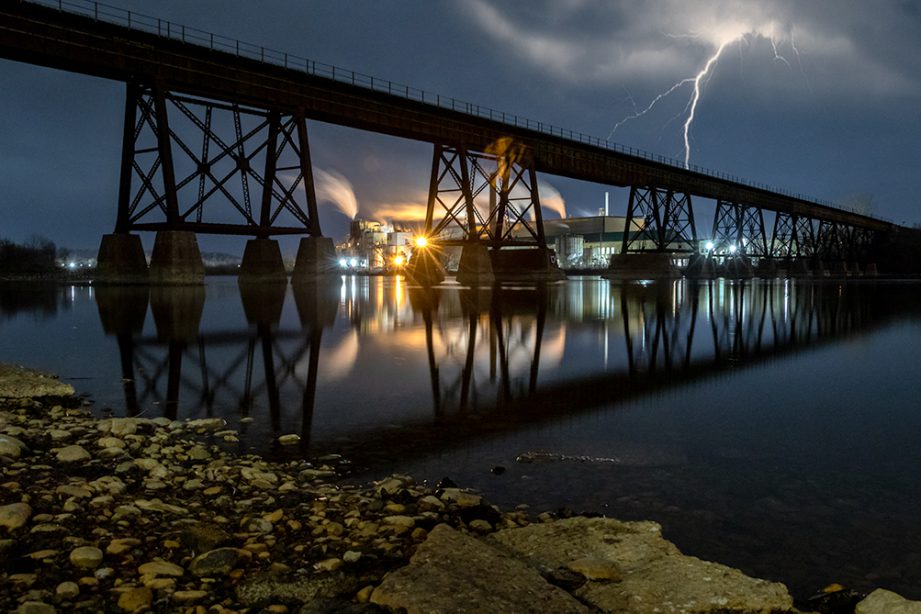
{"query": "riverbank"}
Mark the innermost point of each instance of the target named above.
(149, 514)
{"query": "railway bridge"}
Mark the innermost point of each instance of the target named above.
(216, 141)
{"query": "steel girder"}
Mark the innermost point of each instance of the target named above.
(662, 217)
(738, 230)
(489, 197)
(191, 163)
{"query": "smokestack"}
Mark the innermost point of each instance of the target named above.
(606, 202)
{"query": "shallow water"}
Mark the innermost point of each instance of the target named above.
(770, 426)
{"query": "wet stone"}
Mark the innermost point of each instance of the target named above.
(135, 599)
(14, 515)
(73, 454)
(86, 557)
(219, 562)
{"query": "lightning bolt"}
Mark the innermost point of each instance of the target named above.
(702, 78)
(695, 98)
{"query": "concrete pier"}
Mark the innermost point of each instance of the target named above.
(766, 269)
(526, 265)
(425, 268)
(738, 268)
(121, 260)
(262, 262)
(263, 302)
(700, 267)
(475, 268)
(650, 265)
(177, 312)
(176, 259)
(316, 257)
(799, 267)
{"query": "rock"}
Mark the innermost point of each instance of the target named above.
(14, 515)
(289, 440)
(453, 572)
(351, 556)
(882, 601)
(406, 522)
(20, 383)
(110, 442)
(597, 569)
(73, 454)
(480, 526)
(204, 537)
(123, 426)
(219, 562)
(86, 557)
(135, 599)
(654, 570)
(297, 589)
(460, 497)
(161, 568)
(67, 591)
(206, 424)
(189, 596)
(328, 565)
(35, 607)
(10, 446)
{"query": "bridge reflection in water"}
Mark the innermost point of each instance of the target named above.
(504, 357)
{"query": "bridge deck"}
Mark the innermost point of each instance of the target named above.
(58, 39)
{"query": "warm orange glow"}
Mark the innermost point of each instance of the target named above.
(421, 241)
(399, 260)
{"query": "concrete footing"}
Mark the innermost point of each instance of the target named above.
(475, 268)
(121, 260)
(839, 269)
(526, 265)
(653, 265)
(766, 269)
(700, 267)
(316, 257)
(176, 259)
(870, 270)
(425, 267)
(262, 262)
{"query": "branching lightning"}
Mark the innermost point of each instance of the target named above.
(699, 80)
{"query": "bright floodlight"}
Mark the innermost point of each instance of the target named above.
(732, 249)
(709, 246)
(421, 241)
(399, 260)
(353, 262)
(343, 262)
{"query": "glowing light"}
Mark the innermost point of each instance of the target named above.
(343, 262)
(421, 241)
(709, 246)
(71, 265)
(353, 262)
(399, 260)
(733, 248)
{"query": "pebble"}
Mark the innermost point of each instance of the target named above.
(135, 599)
(14, 515)
(161, 568)
(67, 590)
(73, 454)
(218, 562)
(289, 439)
(189, 596)
(35, 607)
(86, 557)
(460, 497)
(597, 569)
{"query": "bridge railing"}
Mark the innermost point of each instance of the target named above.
(216, 42)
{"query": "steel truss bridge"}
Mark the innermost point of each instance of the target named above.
(216, 141)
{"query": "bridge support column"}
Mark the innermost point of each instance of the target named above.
(121, 260)
(262, 262)
(701, 267)
(526, 265)
(643, 265)
(316, 257)
(176, 259)
(425, 267)
(475, 268)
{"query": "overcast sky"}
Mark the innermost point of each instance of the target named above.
(821, 97)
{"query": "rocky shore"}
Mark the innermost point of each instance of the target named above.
(149, 514)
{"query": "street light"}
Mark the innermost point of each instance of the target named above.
(421, 241)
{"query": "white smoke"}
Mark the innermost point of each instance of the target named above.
(332, 187)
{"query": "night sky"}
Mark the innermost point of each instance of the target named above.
(822, 98)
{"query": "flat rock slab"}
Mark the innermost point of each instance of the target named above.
(453, 572)
(20, 383)
(882, 601)
(655, 576)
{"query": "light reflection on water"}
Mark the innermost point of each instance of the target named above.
(771, 426)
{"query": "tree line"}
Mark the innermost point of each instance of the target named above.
(37, 256)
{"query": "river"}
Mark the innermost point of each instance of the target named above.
(771, 426)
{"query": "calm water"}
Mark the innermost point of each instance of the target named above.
(770, 426)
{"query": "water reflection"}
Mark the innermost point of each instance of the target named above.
(506, 355)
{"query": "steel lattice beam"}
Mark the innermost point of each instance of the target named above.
(190, 163)
(489, 197)
(662, 217)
